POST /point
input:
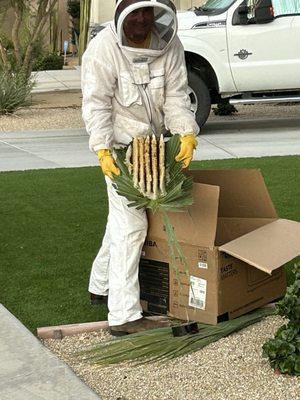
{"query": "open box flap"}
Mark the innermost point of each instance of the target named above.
(268, 247)
(197, 224)
(229, 229)
(243, 192)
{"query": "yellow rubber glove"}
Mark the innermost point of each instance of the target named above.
(107, 163)
(187, 147)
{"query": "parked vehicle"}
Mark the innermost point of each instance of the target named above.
(249, 48)
(245, 50)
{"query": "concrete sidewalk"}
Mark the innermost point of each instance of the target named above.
(69, 148)
(50, 81)
(29, 371)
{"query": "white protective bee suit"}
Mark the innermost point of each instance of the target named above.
(130, 92)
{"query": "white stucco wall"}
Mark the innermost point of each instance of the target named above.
(103, 10)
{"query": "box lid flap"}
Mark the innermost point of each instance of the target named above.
(268, 247)
(243, 193)
(197, 224)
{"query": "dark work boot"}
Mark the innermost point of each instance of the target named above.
(142, 324)
(97, 299)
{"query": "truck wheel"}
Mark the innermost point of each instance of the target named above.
(200, 98)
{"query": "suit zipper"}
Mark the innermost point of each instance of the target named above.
(148, 106)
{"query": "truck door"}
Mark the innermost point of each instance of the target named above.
(265, 56)
(296, 30)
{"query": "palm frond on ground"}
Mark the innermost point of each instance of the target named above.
(160, 345)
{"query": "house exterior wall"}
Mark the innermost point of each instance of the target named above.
(103, 10)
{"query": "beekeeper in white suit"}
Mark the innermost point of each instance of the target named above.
(134, 83)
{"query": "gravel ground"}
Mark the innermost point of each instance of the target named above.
(53, 110)
(62, 110)
(230, 369)
(42, 120)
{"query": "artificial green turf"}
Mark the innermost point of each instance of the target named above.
(52, 223)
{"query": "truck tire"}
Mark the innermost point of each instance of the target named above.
(200, 98)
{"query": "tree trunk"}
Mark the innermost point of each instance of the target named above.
(39, 12)
(85, 12)
(54, 30)
(41, 20)
(3, 55)
(15, 35)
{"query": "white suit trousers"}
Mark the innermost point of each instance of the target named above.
(116, 266)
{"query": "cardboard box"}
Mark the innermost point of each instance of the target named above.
(235, 246)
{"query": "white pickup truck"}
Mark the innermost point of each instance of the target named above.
(244, 50)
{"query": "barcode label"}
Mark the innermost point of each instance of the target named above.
(197, 295)
(202, 265)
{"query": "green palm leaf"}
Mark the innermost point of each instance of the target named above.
(160, 345)
(178, 186)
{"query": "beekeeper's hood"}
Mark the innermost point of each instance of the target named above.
(164, 27)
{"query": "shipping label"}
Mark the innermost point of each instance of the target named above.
(197, 295)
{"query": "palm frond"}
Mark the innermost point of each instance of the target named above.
(160, 345)
(178, 185)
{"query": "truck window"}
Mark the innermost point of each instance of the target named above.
(281, 7)
(286, 7)
(215, 5)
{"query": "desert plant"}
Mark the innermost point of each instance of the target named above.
(33, 17)
(11, 61)
(85, 12)
(7, 44)
(54, 30)
(48, 62)
(15, 88)
(283, 351)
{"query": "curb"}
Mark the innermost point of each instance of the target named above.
(60, 331)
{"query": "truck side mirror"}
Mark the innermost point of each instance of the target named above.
(263, 12)
(240, 16)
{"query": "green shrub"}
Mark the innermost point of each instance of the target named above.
(284, 350)
(15, 88)
(6, 41)
(48, 62)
